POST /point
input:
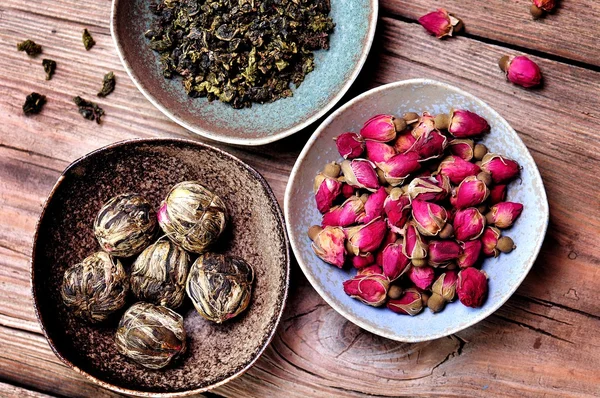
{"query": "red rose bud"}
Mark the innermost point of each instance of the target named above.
(390, 238)
(327, 190)
(470, 193)
(445, 285)
(468, 224)
(362, 261)
(378, 152)
(489, 241)
(329, 246)
(350, 145)
(394, 262)
(429, 189)
(404, 142)
(374, 205)
(399, 167)
(360, 173)
(345, 215)
(521, 71)
(439, 23)
(422, 277)
(366, 238)
(465, 124)
(457, 169)
(426, 125)
(397, 209)
(502, 169)
(470, 253)
(370, 288)
(497, 194)
(379, 128)
(413, 246)
(441, 252)
(410, 303)
(430, 145)
(430, 218)
(504, 214)
(472, 287)
(347, 190)
(463, 148)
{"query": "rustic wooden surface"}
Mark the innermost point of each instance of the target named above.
(544, 342)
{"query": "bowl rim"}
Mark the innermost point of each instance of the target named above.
(284, 297)
(296, 245)
(247, 141)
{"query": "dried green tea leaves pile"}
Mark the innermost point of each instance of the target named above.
(150, 332)
(240, 51)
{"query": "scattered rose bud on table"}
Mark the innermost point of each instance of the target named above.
(540, 7)
(521, 70)
(440, 23)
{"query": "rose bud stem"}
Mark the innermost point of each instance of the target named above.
(400, 124)
(436, 303)
(314, 231)
(394, 292)
(332, 170)
(505, 244)
(536, 12)
(485, 177)
(447, 232)
(442, 121)
(425, 298)
(411, 117)
(479, 151)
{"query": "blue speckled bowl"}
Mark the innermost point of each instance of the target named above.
(505, 272)
(335, 70)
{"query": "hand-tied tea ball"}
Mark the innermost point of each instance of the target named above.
(96, 287)
(220, 286)
(192, 216)
(151, 335)
(158, 275)
(125, 225)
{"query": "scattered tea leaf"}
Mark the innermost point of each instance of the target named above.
(34, 103)
(88, 41)
(49, 67)
(88, 109)
(108, 85)
(30, 48)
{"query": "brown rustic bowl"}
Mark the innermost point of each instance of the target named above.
(216, 353)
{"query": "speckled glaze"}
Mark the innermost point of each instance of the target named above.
(505, 272)
(335, 70)
(256, 232)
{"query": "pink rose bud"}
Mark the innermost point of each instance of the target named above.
(457, 169)
(470, 193)
(489, 241)
(468, 224)
(394, 262)
(439, 23)
(502, 169)
(378, 152)
(327, 190)
(404, 142)
(425, 125)
(379, 128)
(399, 167)
(422, 277)
(430, 145)
(410, 303)
(374, 205)
(370, 288)
(345, 215)
(465, 124)
(390, 237)
(397, 209)
(329, 246)
(463, 148)
(360, 173)
(350, 145)
(413, 246)
(442, 252)
(497, 194)
(470, 253)
(363, 260)
(504, 214)
(521, 71)
(366, 238)
(472, 287)
(546, 5)
(347, 190)
(429, 189)
(430, 218)
(445, 285)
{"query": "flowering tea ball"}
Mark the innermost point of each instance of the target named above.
(96, 287)
(158, 275)
(151, 335)
(125, 225)
(220, 286)
(192, 216)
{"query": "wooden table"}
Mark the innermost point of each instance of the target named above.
(545, 341)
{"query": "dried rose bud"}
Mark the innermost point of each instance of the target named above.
(441, 252)
(326, 190)
(546, 5)
(422, 277)
(457, 169)
(521, 71)
(397, 209)
(489, 240)
(430, 145)
(390, 237)
(366, 238)
(350, 145)
(347, 190)
(370, 288)
(470, 253)
(363, 260)
(426, 124)
(497, 194)
(463, 148)
(430, 189)
(404, 142)
(472, 287)
(439, 23)
(399, 167)
(504, 214)
(468, 224)
(465, 123)
(346, 214)
(378, 152)
(470, 193)
(379, 128)
(329, 245)
(360, 173)
(370, 270)
(374, 205)
(430, 218)
(394, 262)
(413, 246)
(445, 285)
(410, 303)
(436, 303)
(501, 168)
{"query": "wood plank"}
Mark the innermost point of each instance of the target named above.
(8, 390)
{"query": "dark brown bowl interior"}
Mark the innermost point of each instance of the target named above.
(216, 353)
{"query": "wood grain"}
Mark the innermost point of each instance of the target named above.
(9, 390)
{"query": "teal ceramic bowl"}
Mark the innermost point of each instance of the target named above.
(335, 70)
(505, 272)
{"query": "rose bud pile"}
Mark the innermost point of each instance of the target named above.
(415, 205)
